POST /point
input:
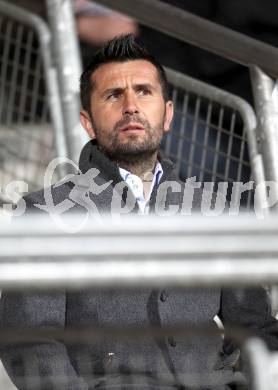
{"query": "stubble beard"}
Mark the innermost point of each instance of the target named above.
(134, 149)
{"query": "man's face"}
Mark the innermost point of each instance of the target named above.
(128, 113)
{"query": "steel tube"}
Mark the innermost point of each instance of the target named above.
(267, 122)
(200, 32)
(51, 83)
(66, 51)
(144, 273)
(139, 253)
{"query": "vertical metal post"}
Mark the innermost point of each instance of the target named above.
(267, 117)
(41, 30)
(67, 55)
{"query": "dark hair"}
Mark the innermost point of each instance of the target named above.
(120, 49)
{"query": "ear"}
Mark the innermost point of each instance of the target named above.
(87, 123)
(169, 112)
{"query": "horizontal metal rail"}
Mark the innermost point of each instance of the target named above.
(200, 32)
(170, 252)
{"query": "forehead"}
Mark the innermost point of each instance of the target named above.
(119, 73)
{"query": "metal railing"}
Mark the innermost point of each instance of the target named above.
(31, 121)
(135, 254)
(214, 135)
(267, 115)
(139, 256)
(187, 27)
(66, 57)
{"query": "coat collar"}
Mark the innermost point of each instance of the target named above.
(92, 157)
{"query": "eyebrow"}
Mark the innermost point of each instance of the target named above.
(112, 90)
(121, 89)
(144, 85)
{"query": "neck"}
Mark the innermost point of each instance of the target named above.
(139, 166)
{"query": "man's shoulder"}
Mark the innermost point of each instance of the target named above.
(54, 195)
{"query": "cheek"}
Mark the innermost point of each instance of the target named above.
(157, 115)
(99, 116)
(107, 115)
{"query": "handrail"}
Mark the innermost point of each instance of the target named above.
(200, 32)
(162, 252)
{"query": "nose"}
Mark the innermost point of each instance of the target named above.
(130, 106)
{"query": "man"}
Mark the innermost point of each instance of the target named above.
(126, 111)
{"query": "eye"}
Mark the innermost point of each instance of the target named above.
(114, 95)
(143, 91)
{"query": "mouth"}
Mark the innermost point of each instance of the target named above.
(132, 127)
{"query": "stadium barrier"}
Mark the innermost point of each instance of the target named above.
(99, 256)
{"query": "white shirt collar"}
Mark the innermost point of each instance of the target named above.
(136, 185)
